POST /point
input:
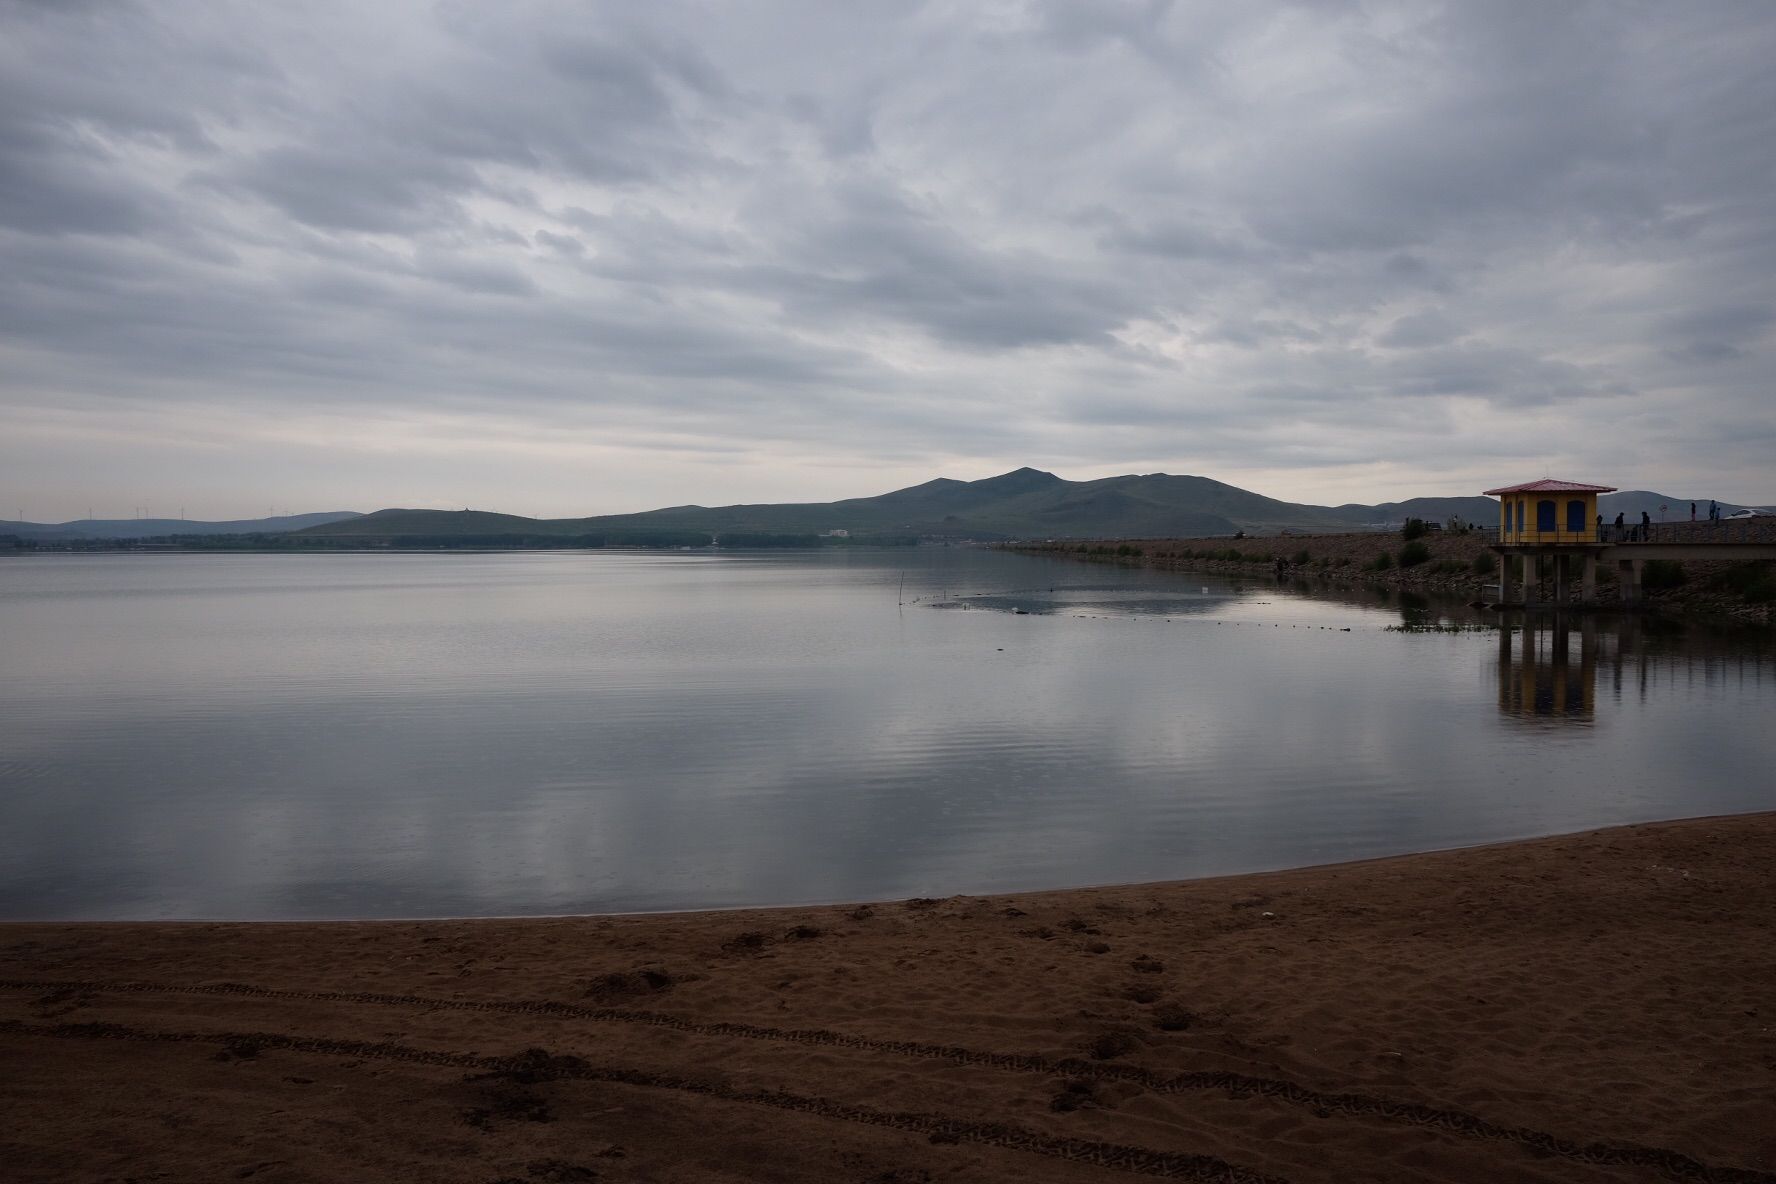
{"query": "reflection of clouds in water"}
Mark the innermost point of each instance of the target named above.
(1124, 598)
(742, 734)
(1180, 595)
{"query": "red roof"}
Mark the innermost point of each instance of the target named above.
(1549, 485)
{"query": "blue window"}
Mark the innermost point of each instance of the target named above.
(1545, 515)
(1575, 517)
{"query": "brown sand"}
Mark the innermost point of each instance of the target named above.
(1591, 1007)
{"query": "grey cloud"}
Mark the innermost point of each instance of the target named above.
(1512, 116)
(1168, 237)
(1260, 332)
(57, 179)
(1218, 239)
(118, 71)
(492, 278)
(355, 187)
(565, 244)
(1717, 333)
(844, 129)
(1082, 26)
(1414, 269)
(637, 243)
(409, 151)
(873, 253)
(1501, 375)
(45, 191)
(1420, 329)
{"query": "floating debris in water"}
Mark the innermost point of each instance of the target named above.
(1441, 627)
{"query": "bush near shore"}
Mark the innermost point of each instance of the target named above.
(1441, 562)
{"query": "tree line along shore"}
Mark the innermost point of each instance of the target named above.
(1455, 563)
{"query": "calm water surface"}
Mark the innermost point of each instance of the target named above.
(267, 736)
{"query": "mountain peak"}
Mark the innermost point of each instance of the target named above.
(1024, 478)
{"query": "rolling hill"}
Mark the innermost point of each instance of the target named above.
(1024, 503)
(147, 528)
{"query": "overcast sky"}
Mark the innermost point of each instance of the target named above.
(579, 258)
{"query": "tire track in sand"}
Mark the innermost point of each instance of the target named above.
(537, 1065)
(1237, 1085)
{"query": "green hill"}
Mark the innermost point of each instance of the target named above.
(1482, 511)
(389, 523)
(1025, 503)
(145, 528)
(1022, 504)
(479, 528)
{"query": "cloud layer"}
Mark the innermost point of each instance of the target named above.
(558, 258)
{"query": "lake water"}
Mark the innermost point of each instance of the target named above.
(364, 735)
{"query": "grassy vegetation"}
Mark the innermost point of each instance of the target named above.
(1455, 562)
(1120, 551)
(1755, 582)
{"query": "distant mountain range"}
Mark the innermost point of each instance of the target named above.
(148, 528)
(1024, 503)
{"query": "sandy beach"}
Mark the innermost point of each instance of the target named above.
(1598, 1006)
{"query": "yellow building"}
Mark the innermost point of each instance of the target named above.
(1548, 512)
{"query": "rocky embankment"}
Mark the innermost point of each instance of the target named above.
(1451, 564)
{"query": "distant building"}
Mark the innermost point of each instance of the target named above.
(835, 534)
(1538, 513)
(1550, 524)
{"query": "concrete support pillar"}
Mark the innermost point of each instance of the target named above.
(1588, 660)
(1588, 582)
(1507, 581)
(1526, 671)
(1505, 683)
(1628, 576)
(1559, 558)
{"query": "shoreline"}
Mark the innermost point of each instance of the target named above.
(1597, 1005)
(805, 906)
(1708, 593)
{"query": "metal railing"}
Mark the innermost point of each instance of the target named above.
(1761, 529)
(1530, 536)
(1726, 530)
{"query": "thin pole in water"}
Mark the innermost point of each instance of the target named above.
(900, 596)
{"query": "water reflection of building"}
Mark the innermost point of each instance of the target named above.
(1543, 674)
(1548, 663)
